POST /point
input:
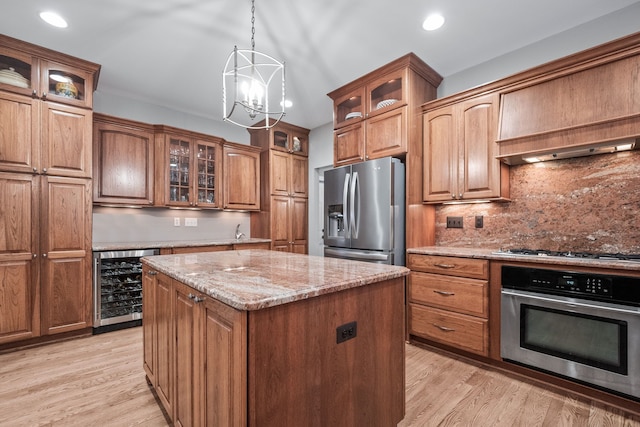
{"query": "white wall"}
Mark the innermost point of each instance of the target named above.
(320, 158)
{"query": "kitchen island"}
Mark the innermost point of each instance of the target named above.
(259, 337)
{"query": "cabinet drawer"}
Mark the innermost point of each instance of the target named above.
(451, 266)
(458, 330)
(450, 293)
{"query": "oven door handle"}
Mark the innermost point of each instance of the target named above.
(573, 304)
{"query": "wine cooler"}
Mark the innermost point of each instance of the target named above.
(117, 281)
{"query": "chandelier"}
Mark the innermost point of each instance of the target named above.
(253, 86)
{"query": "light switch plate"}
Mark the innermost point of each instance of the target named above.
(176, 221)
(191, 222)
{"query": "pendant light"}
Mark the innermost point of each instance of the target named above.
(253, 88)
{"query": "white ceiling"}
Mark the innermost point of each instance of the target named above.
(172, 52)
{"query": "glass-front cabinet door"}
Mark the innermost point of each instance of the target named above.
(65, 84)
(17, 72)
(179, 172)
(208, 164)
(387, 93)
(289, 138)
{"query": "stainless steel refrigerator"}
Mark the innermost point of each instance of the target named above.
(364, 212)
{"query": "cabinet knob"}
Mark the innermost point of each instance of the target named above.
(35, 170)
(44, 255)
(453, 196)
(198, 299)
(460, 196)
(34, 94)
(150, 202)
(35, 255)
(44, 95)
(44, 170)
(152, 272)
(191, 296)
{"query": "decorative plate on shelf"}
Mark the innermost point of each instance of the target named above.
(385, 103)
(353, 115)
(11, 77)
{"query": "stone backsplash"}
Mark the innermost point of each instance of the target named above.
(589, 204)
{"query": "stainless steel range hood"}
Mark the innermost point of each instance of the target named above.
(571, 152)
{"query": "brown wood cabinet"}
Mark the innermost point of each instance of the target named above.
(188, 169)
(123, 160)
(45, 171)
(44, 131)
(285, 187)
(241, 166)
(449, 301)
(194, 354)
(379, 115)
(45, 255)
(460, 152)
(373, 115)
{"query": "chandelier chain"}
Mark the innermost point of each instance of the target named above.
(253, 25)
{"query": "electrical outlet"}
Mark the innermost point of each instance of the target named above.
(176, 221)
(346, 332)
(479, 221)
(454, 222)
(191, 222)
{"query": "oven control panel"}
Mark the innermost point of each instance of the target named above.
(613, 288)
(573, 283)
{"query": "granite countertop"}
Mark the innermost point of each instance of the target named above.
(498, 255)
(254, 279)
(115, 246)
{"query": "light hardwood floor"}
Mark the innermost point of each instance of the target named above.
(99, 381)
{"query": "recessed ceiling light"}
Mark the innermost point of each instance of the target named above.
(54, 19)
(433, 22)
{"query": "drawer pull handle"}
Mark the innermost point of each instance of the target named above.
(444, 328)
(445, 265)
(152, 273)
(448, 294)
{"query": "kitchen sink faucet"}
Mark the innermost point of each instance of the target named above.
(239, 235)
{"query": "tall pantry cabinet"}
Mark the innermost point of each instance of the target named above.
(285, 187)
(45, 191)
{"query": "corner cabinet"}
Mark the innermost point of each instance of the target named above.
(45, 191)
(123, 159)
(241, 166)
(448, 301)
(460, 152)
(188, 170)
(285, 187)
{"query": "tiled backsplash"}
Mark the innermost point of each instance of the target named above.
(583, 204)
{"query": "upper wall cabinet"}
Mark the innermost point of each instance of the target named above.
(123, 161)
(241, 166)
(372, 115)
(188, 169)
(44, 74)
(45, 127)
(460, 152)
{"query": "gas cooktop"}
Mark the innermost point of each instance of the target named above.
(586, 255)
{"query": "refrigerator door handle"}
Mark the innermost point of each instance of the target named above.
(355, 207)
(345, 205)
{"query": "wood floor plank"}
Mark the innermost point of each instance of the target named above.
(99, 381)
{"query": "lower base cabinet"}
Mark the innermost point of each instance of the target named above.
(213, 365)
(449, 301)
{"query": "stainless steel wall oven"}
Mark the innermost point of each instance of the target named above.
(582, 326)
(117, 288)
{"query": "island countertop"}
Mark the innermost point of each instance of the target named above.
(255, 279)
